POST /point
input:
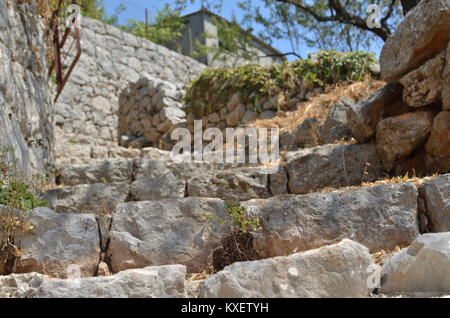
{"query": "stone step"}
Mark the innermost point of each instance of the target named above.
(105, 171)
(304, 171)
(169, 231)
(58, 241)
(301, 275)
(98, 198)
(149, 282)
(422, 269)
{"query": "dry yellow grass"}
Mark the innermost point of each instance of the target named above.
(318, 106)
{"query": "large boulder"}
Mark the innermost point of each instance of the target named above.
(58, 241)
(108, 171)
(364, 116)
(169, 231)
(436, 194)
(423, 268)
(149, 282)
(155, 179)
(337, 271)
(423, 34)
(231, 185)
(97, 198)
(331, 166)
(378, 217)
(438, 145)
(399, 136)
(423, 86)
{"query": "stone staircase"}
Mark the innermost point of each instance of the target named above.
(145, 217)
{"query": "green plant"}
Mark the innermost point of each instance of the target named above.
(18, 196)
(239, 218)
(214, 88)
(166, 28)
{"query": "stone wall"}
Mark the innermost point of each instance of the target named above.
(149, 111)
(87, 110)
(25, 103)
(410, 118)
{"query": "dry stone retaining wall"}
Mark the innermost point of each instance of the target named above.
(87, 110)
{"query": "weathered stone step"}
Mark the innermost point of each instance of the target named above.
(106, 171)
(99, 198)
(169, 231)
(422, 269)
(339, 270)
(332, 166)
(164, 232)
(305, 171)
(149, 282)
(379, 217)
(57, 241)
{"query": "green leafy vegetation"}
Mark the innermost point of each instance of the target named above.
(165, 28)
(214, 88)
(18, 196)
(237, 217)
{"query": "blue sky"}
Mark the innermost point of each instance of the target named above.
(136, 9)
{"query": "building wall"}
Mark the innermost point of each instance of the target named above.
(198, 24)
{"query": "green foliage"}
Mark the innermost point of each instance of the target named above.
(319, 25)
(165, 28)
(214, 88)
(17, 198)
(15, 191)
(238, 218)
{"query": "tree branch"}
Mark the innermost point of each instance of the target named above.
(341, 15)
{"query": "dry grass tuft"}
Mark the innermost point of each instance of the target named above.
(318, 106)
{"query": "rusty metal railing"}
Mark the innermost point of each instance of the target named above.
(58, 45)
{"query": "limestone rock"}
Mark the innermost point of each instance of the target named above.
(378, 217)
(149, 282)
(162, 179)
(423, 86)
(230, 185)
(422, 34)
(308, 133)
(108, 171)
(58, 241)
(398, 137)
(424, 267)
(20, 285)
(446, 83)
(170, 231)
(334, 271)
(331, 166)
(438, 145)
(364, 116)
(436, 194)
(92, 198)
(335, 126)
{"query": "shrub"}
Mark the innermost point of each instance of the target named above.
(214, 88)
